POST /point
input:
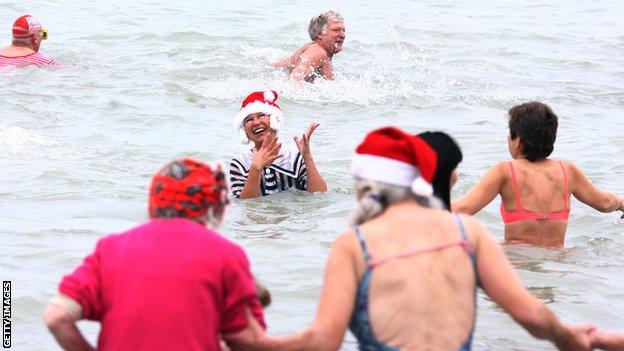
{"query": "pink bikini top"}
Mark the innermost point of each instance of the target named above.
(520, 214)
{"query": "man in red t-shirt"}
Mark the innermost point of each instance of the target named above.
(24, 49)
(167, 284)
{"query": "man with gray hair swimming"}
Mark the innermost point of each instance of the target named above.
(28, 34)
(314, 59)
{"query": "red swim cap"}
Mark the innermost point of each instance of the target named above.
(186, 188)
(25, 26)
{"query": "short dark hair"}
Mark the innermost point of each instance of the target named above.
(536, 125)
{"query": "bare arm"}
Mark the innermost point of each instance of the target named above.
(586, 192)
(311, 60)
(315, 182)
(609, 341)
(483, 193)
(502, 284)
(328, 70)
(290, 62)
(252, 185)
(335, 304)
(268, 152)
(62, 324)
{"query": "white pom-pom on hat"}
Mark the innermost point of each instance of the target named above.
(421, 187)
(270, 96)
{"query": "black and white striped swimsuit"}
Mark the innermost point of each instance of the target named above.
(288, 171)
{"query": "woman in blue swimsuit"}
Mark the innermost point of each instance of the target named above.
(404, 277)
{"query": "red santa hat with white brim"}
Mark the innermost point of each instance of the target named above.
(259, 101)
(389, 155)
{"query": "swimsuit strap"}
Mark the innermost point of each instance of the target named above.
(467, 346)
(566, 205)
(463, 243)
(418, 251)
(514, 185)
(462, 229)
(466, 245)
(367, 257)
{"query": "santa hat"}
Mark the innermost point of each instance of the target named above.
(259, 101)
(25, 26)
(389, 155)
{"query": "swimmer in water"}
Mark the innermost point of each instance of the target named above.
(24, 49)
(535, 189)
(406, 274)
(266, 168)
(175, 268)
(314, 59)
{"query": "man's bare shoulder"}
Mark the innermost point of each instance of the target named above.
(314, 50)
(292, 61)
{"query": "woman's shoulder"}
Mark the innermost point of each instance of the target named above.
(472, 227)
(568, 166)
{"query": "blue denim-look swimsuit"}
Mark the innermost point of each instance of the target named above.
(360, 320)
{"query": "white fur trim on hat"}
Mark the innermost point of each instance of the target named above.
(276, 116)
(390, 171)
(383, 169)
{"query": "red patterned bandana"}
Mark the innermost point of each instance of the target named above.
(186, 188)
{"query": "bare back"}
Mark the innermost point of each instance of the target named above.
(307, 63)
(542, 188)
(413, 299)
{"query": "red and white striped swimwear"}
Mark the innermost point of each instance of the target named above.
(27, 60)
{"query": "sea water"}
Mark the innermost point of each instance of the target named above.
(148, 81)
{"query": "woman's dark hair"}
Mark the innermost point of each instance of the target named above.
(536, 126)
(449, 156)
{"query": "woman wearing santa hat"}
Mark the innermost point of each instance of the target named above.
(268, 168)
(405, 276)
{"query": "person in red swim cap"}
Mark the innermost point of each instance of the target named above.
(168, 284)
(24, 49)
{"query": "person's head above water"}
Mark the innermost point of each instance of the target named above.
(259, 116)
(532, 130)
(391, 166)
(28, 32)
(329, 29)
(190, 189)
(449, 156)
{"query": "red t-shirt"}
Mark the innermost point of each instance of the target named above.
(35, 58)
(168, 284)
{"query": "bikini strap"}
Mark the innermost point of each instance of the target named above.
(367, 257)
(514, 185)
(462, 229)
(464, 235)
(566, 188)
(469, 249)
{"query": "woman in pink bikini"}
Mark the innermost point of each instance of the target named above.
(405, 276)
(535, 190)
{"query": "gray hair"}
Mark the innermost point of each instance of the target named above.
(375, 197)
(318, 24)
(24, 42)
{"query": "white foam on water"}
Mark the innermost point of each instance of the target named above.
(17, 140)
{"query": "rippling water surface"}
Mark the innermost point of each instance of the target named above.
(148, 81)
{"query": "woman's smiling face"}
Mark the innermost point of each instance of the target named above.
(257, 127)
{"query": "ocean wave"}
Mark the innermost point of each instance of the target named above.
(15, 139)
